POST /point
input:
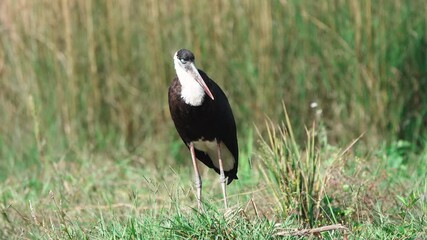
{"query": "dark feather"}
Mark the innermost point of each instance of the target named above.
(211, 120)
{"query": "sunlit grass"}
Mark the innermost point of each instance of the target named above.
(99, 197)
(293, 172)
(96, 69)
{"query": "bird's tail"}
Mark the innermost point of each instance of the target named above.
(231, 178)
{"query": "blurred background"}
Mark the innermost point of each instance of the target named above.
(92, 76)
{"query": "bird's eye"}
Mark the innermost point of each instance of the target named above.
(183, 61)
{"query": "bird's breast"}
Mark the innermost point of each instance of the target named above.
(194, 122)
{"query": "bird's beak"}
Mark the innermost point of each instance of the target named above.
(196, 75)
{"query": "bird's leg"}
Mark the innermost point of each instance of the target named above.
(222, 179)
(197, 178)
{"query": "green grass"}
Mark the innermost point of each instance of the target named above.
(88, 150)
(99, 197)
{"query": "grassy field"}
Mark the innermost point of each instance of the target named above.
(88, 149)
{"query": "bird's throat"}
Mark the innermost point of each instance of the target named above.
(191, 91)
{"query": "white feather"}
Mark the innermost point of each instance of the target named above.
(210, 147)
(191, 91)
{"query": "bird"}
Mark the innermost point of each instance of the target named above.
(204, 120)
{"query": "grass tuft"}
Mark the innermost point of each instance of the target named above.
(293, 173)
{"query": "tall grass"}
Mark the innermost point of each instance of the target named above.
(292, 172)
(98, 71)
(317, 183)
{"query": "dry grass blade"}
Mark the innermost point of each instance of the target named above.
(351, 144)
(306, 232)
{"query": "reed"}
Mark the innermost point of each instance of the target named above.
(99, 70)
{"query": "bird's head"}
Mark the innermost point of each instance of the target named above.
(184, 63)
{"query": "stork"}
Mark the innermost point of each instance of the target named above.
(204, 120)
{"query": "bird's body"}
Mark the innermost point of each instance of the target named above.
(204, 120)
(205, 123)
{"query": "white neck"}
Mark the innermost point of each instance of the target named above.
(191, 91)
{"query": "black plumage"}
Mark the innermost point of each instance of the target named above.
(212, 120)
